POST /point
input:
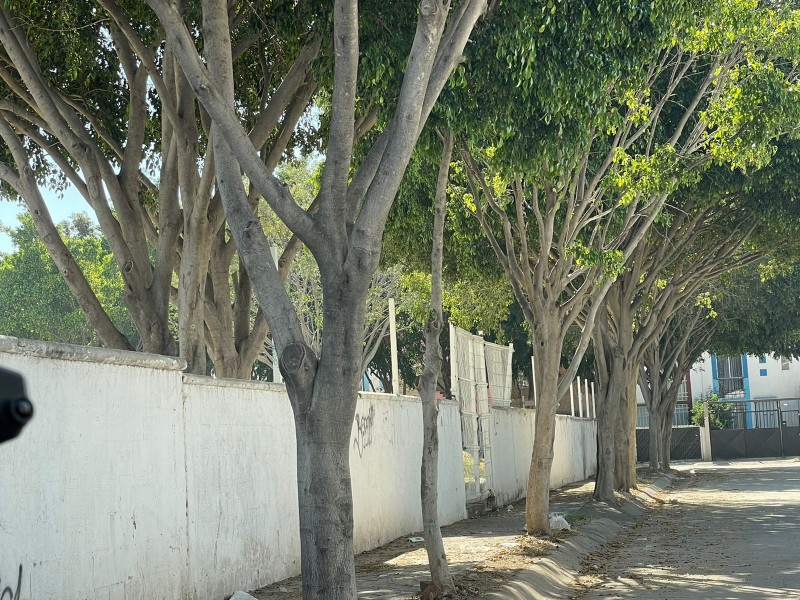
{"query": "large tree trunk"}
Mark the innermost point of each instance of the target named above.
(610, 383)
(625, 450)
(548, 358)
(625, 471)
(656, 440)
(325, 502)
(608, 358)
(323, 448)
(666, 435)
(429, 480)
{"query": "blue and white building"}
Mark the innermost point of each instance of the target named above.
(745, 377)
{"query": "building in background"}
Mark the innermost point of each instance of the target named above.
(745, 377)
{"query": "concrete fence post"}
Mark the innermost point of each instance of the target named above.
(705, 435)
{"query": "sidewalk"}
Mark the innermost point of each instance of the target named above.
(489, 557)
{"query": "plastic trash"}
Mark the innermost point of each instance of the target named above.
(558, 522)
(416, 539)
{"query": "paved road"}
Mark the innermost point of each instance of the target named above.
(734, 534)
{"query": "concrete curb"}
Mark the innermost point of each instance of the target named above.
(552, 577)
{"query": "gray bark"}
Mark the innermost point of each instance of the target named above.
(432, 360)
(548, 358)
(25, 184)
(666, 434)
(50, 112)
(655, 433)
(322, 392)
(625, 449)
(608, 368)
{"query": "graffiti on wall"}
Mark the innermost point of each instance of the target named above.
(8, 592)
(363, 431)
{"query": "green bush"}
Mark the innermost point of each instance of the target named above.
(719, 413)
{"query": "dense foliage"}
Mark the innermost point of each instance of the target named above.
(35, 303)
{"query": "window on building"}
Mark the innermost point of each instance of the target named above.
(762, 359)
(730, 375)
(683, 391)
(784, 363)
(762, 372)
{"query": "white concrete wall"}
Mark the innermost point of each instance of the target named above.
(241, 474)
(242, 486)
(93, 493)
(135, 482)
(512, 444)
(385, 457)
(574, 451)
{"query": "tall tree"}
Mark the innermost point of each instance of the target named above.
(566, 197)
(690, 245)
(94, 99)
(441, 579)
(344, 236)
(719, 224)
(663, 368)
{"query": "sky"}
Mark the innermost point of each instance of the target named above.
(60, 209)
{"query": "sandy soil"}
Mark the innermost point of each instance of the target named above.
(482, 553)
(726, 532)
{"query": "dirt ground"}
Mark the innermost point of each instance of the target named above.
(727, 531)
(482, 553)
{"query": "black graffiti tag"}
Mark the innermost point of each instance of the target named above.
(364, 425)
(8, 592)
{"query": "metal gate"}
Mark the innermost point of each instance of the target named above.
(685, 444)
(790, 425)
(755, 429)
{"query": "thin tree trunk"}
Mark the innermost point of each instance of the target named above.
(442, 581)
